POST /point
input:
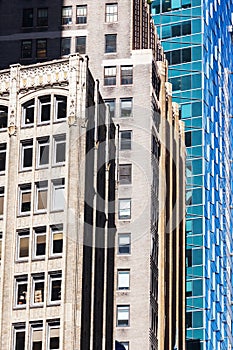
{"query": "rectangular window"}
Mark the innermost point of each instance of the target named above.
(58, 191)
(23, 244)
(60, 107)
(25, 199)
(125, 140)
(1, 201)
(126, 107)
(109, 75)
(65, 46)
(41, 196)
(26, 154)
(43, 152)
(26, 49)
(56, 240)
(19, 337)
(125, 174)
(111, 13)
(44, 108)
(59, 149)
(2, 157)
(112, 107)
(124, 210)
(21, 287)
(81, 44)
(28, 113)
(36, 336)
(54, 335)
(123, 279)
(55, 281)
(38, 289)
(123, 315)
(126, 75)
(110, 43)
(124, 243)
(39, 242)
(66, 18)
(81, 14)
(3, 117)
(1, 247)
(27, 18)
(41, 48)
(42, 17)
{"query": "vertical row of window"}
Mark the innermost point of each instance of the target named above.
(37, 330)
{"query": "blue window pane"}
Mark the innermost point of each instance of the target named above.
(197, 196)
(196, 109)
(197, 287)
(197, 166)
(197, 256)
(197, 226)
(186, 110)
(197, 319)
(166, 32)
(196, 81)
(196, 53)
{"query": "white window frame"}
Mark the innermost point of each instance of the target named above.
(41, 104)
(110, 75)
(81, 12)
(57, 185)
(66, 14)
(35, 327)
(24, 234)
(111, 13)
(124, 235)
(3, 150)
(58, 229)
(42, 142)
(39, 232)
(54, 276)
(24, 189)
(2, 195)
(29, 104)
(123, 207)
(130, 143)
(126, 310)
(58, 139)
(3, 115)
(59, 99)
(123, 277)
(126, 100)
(18, 328)
(20, 280)
(123, 177)
(40, 278)
(24, 145)
(41, 186)
(55, 324)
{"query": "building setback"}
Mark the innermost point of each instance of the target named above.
(126, 57)
(196, 36)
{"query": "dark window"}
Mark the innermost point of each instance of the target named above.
(186, 55)
(45, 104)
(126, 75)
(2, 157)
(81, 16)
(25, 198)
(81, 44)
(176, 30)
(26, 49)
(57, 239)
(61, 107)
(110, 43)
(189, 319)
(42, 17)
(55, 287)
(26, 149)
(110, 76)
(28, 17)
(40, 241)
(124, 243)
(125, 140)
(21, 292)
(28, 112)
(20, 340)
(188, 139)
(112, 105)
(41, 48)
(125, 174)
(3, 117)
(65, 46)
(188, 257)
(126, 107)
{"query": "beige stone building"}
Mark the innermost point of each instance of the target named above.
(147, 252)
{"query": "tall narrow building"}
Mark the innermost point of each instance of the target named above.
(148, 251)
(197, 38)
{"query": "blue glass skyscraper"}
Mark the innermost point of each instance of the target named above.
(196, 37)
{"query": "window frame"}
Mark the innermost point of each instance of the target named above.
(110, 44)
(25, 145)
(2, 199)
(66, 19)
(28, 105)
(42, 104)
(59, 140)
(126, 100)
(39, 232)
(82, 45)
(3, 157)
(81, 16)
(42, 142)
(18, 328)
(56, 229)
(111, 16)
(42, 21)
(4, 112)
(125, 179)
(22, 234)
(129, 208)
(112, 103)
(59, 99)
(27, 18)
(129, 141)
(41, 186)
(37, 278)
(110, 74)
(55, 324)
(54, 276)
(26, 49)
(65, 46)
(18, 281)
(120, 245)
(35, 326)
(127, 78)
(24, 189)
(119, 281)
(126, 307)
(57, 184)
(41, 48)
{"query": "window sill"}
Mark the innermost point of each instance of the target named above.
(3, 129)
(40, 212)
(24, 126)
(20, 215)
(25, 170)
(44, 123)
(53, 211)
(42, 167)
(19, 307)
(51, 304)
(58, 256)
(58, 165)
(39, 258)
(22, 260)
(2, 173)
(62, 120)
(35, 306)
